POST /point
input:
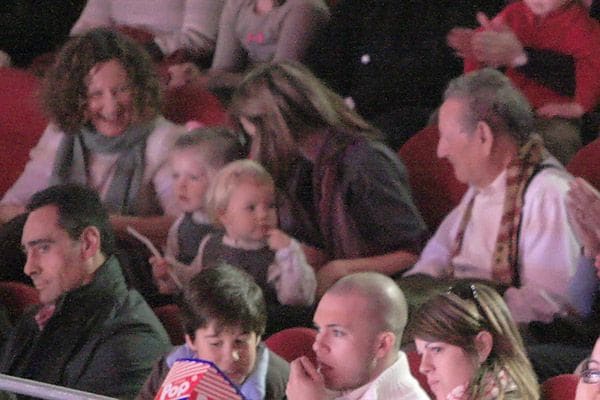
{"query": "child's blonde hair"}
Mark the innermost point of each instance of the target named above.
(216, 146)
(228, 178)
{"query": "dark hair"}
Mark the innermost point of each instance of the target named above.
(78, 208)
(65, 89)
(226, 295)
(286, 103)
(219, 145)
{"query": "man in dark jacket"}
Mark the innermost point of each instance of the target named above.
(91, 332)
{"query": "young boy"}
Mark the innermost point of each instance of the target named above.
(195, 160)
(224, 316)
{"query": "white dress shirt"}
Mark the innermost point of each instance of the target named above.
(396, 382)
(548, 250)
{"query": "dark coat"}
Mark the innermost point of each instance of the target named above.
(102, 338)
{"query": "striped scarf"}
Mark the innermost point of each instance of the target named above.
(518, 175)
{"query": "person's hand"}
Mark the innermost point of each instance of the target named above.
(329, 274)
(305, 382)
(460, 40)
(277, 239)
(583, 208)
(9, 211)
(160, 273)
(564, 110)
(496, 45)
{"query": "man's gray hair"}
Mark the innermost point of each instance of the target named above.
(491, 98)
(385, 299)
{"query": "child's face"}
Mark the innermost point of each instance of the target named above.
(250, 214)
(232, 350)
(191, 178)
(542, 8)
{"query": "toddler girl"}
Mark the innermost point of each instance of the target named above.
(242, 201)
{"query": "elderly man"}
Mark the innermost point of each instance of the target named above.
(91, 333)
(511, 226)
(360, 320)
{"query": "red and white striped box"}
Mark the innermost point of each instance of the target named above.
(193, 379)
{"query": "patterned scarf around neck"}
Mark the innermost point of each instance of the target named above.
(518, 175)
(71, 163)
(491, 388)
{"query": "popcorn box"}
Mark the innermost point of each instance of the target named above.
(193, 379)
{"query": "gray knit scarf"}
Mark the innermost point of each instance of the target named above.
(71, 163)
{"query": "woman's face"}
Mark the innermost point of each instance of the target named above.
(446, 366)
(109, 98)
(590, 390)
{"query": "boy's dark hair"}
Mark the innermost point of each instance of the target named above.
(221, 145)
(78, 207)
(224, 294)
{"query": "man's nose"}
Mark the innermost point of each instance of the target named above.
(232, 356)
(30, 267)
(319, 344)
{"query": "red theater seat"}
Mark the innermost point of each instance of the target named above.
(560, 387)
(292, 343)
(193, 102)
(414, 361)
(435, 189)
(170, 316)
(586, 163)
(17, 297)
(21, 122)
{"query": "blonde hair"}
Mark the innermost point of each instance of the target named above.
(216, 146)
(230, 177)
(456, 317)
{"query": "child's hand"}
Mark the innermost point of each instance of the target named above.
(160, 268)
(278, 240)
(460, 40)
(564, 110)
(160, 273)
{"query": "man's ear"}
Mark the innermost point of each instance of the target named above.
(386, 342)
(483, 345)
(90, 240)
(485, 136)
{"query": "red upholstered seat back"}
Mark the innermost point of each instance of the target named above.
(17, 297)
(414, 361)
(21, 122)
(292, 343)
(560, 387)
(435, 189)
(586, 163)
(170, 316)
(193, 102)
